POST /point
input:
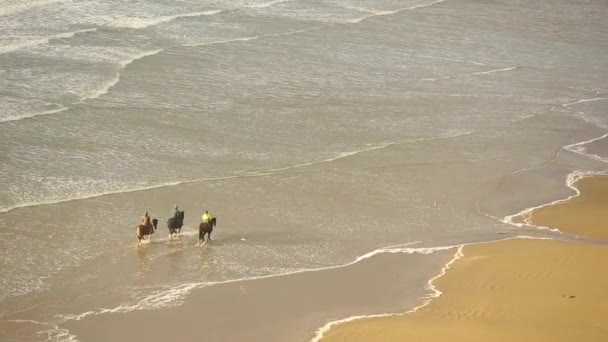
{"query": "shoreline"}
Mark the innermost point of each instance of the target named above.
(355, 325)
(293, 305)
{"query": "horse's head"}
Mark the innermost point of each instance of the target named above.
(214, 221)
(180, 214)
(154, 223)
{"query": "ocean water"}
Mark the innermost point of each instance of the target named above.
(317, 131)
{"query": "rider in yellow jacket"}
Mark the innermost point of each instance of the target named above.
(206, 217)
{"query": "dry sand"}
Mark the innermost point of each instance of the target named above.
(515, 290)
(585, 215)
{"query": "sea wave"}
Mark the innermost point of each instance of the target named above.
(235, 175)
(141, 23)
(18, 117)
(43, 40)
(377, 13)
(23, 6)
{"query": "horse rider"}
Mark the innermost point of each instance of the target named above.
(174, 212)
(206, 217)
(145, 220)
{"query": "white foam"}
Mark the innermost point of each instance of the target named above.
(430, 285)
(21, 6)
(376, 13)
(24, 116)
(526, 213)
(92, 195)
(493, 71)
(237, 175)
(42, 40)
(579, 148)
(267, 4)
(585, 116)
(140, 23)
(123, 64)
(452, 59)
(585, 100)
(53, 334)
(470, 74)
(246, 39)
(171, 296)
(174, 296)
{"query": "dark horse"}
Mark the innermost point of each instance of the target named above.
(206, 228)
(175, 224)
(142, 231)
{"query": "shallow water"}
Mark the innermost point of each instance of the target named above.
(316, 131)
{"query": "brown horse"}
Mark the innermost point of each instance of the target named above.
(142, 231)
(175, 224)
(206, 228)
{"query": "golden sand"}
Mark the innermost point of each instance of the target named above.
(585, 215)
(515, 290)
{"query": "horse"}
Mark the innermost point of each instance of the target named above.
(142, 231)
(206, 228)
(175, 224)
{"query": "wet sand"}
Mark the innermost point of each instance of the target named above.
(515, 290)
(583, 215)
(283, 308)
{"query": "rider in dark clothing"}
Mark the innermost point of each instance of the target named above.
(174, 212)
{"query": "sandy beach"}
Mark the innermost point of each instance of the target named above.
(583, 215)
(347, 149)
(515, 290)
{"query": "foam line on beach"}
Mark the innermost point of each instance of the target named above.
(174, 296)
(237, 175)
(579, 148)
(171, 296)
(320, 333)
(570, 181)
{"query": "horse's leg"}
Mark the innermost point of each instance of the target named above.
(209, 237)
